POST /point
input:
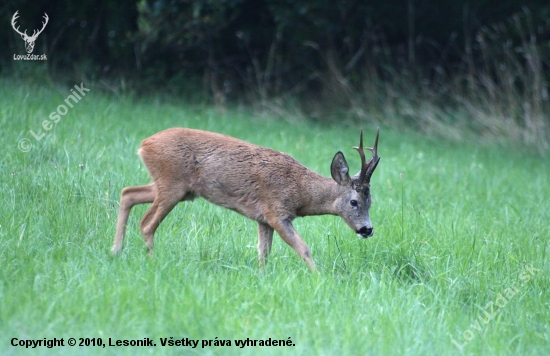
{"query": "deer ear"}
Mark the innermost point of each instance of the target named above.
(339, 169)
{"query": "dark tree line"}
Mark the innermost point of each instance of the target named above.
(229, 49)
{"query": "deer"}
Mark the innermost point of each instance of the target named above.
(29, 40)
(262, 184)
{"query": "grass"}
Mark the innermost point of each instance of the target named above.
(458, 226)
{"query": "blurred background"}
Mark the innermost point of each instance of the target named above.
(443, 67)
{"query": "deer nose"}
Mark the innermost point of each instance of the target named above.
(365, 231)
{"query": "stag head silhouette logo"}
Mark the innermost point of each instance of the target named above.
(29, 40)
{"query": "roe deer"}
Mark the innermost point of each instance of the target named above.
(262, 184)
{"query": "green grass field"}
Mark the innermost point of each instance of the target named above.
(457, 265)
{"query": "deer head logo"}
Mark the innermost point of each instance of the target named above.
(29, 40)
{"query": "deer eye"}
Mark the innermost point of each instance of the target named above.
(353, 203)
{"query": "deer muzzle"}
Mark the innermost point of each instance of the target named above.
(365, 232)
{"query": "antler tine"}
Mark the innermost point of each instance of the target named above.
(374, 161)
(363, 160)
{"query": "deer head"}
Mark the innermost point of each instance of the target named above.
(355, 200)
(29, 40)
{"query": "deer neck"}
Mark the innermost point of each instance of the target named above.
(320, 193)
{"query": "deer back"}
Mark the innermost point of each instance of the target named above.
(255, 181)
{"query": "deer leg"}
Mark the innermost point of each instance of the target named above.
(129, 197)
(265, 238)
(290, 236)
(162, 205)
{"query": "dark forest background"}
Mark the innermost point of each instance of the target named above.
(488, 59)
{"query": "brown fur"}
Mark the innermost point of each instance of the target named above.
(267, 186)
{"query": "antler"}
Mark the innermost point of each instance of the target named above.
(367, 168)
(43, 26)
(371, 166)
(363, 160)
(13, 19)
(34, 33)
